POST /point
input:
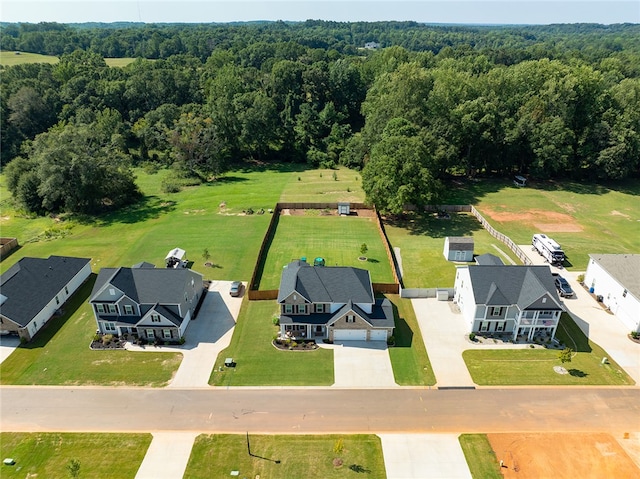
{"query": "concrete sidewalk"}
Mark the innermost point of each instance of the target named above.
(167, 456)
(361, 364)
(423, 456)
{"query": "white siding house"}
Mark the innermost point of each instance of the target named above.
(35, 288)
(616, 278)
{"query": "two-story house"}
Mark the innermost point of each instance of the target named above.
(331, 302)
(519, 300)
(155, 304)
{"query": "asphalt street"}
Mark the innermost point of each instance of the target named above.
(320, 410)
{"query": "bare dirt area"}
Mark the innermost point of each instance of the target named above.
(543, 220)
(562, 455)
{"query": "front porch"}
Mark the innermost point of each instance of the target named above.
(298, 332)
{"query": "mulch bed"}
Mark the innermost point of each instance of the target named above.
(115, 344)
(299, 346)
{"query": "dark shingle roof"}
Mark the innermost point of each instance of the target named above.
(529, 287)
(461, 243)
(488, 259)
(381, 315)
(148, 285)
(31, 283)
(326, 284)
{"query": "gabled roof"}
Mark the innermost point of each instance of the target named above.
(326, 284)
(144, 264)
(31, 283)
(488, 259)
(147, 285)
(624, 268)
(381, 315)
(528, 287)
(460, 243)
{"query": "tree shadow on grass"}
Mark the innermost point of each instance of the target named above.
(150, 207)
(577, 373)
(359, 469)
(428, 224)
(402, 333)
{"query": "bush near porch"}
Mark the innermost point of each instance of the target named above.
(511, 367)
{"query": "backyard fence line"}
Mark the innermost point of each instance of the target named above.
(386, 288)
(318, 206)
(387, 246)
(501, 237)
(425, 292)
(8, 244)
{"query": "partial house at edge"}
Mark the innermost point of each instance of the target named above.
(331, 302)
(155, 304)
(33, 289)
(518, 300)
(616, 277)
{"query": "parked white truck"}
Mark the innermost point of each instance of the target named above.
(548, 248)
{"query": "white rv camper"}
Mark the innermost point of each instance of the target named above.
(547, 248)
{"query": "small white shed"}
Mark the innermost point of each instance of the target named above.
(344, 208)
(458, 248)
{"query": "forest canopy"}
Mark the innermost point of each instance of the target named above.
(420, 104)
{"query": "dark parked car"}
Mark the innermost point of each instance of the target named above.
(236, 288)
(563, 287)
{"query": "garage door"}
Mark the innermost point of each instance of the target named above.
(378, 335)
(350, 335)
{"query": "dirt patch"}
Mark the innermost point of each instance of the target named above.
(550, 220)
(617, 213)
(559, 455)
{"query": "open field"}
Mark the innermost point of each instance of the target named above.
(48, 454)
(535, 366)
(583, 218)
(409, 359)
(261, 364)
(480, 457)
(319, 186)
(561, 455)
(60, 355)
(421, 241)
(215, 456)
(337, 239)
(10, 58)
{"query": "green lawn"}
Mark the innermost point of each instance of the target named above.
(608, 215)
(535, 366)
(60, 355)
(409, 359)
(215, 456)
(319, 186)
(10, 58)
(337, 239)
(481, 459)
(259, 363)
(421, 242)
(48, 454)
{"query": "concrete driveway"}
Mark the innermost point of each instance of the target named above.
(423, 456)
(7, 345)
(206, 336)
(167, 456)
(361, 364)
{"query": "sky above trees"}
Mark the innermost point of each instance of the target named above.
(429, 11)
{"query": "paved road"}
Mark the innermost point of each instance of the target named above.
(319, 410)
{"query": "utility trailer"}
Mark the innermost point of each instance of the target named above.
(548, 249)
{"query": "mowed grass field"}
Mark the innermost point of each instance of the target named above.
(337, 239)
(11, 58)
(420, 239)
(323, 186)
(285, 457)
(510, 367)
(48, 454)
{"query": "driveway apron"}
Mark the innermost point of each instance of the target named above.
(361, 364)
(8, 344)
(167, 456)
(423, 456)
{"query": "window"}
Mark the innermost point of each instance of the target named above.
(66, 290)
(112, 291)
(288, 308)
(128, 309)
(484, 326)
(624, 293)
(155, 318)
(113, 309)
(302, 309)
(351, 318)
(319, 308)
(109, 326)
(500, 326)
(495, 311)
(150, 334)
(57, 300)
(166, 333)
(186, 298)
(100, 308)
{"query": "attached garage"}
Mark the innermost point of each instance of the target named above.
(350, 335)
(378, 335)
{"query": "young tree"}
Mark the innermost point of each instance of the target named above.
(73, 467)
(565, 355)
(363, 249)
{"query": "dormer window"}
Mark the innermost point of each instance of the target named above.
(128, 309)
(319, 307)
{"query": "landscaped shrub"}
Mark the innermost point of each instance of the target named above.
(169, 185)
(276, 320)
(107, 338)
(472, 336)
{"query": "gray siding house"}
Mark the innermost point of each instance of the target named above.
(331, 302)
(153, 304)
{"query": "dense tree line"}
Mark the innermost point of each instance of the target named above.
(560, 101)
